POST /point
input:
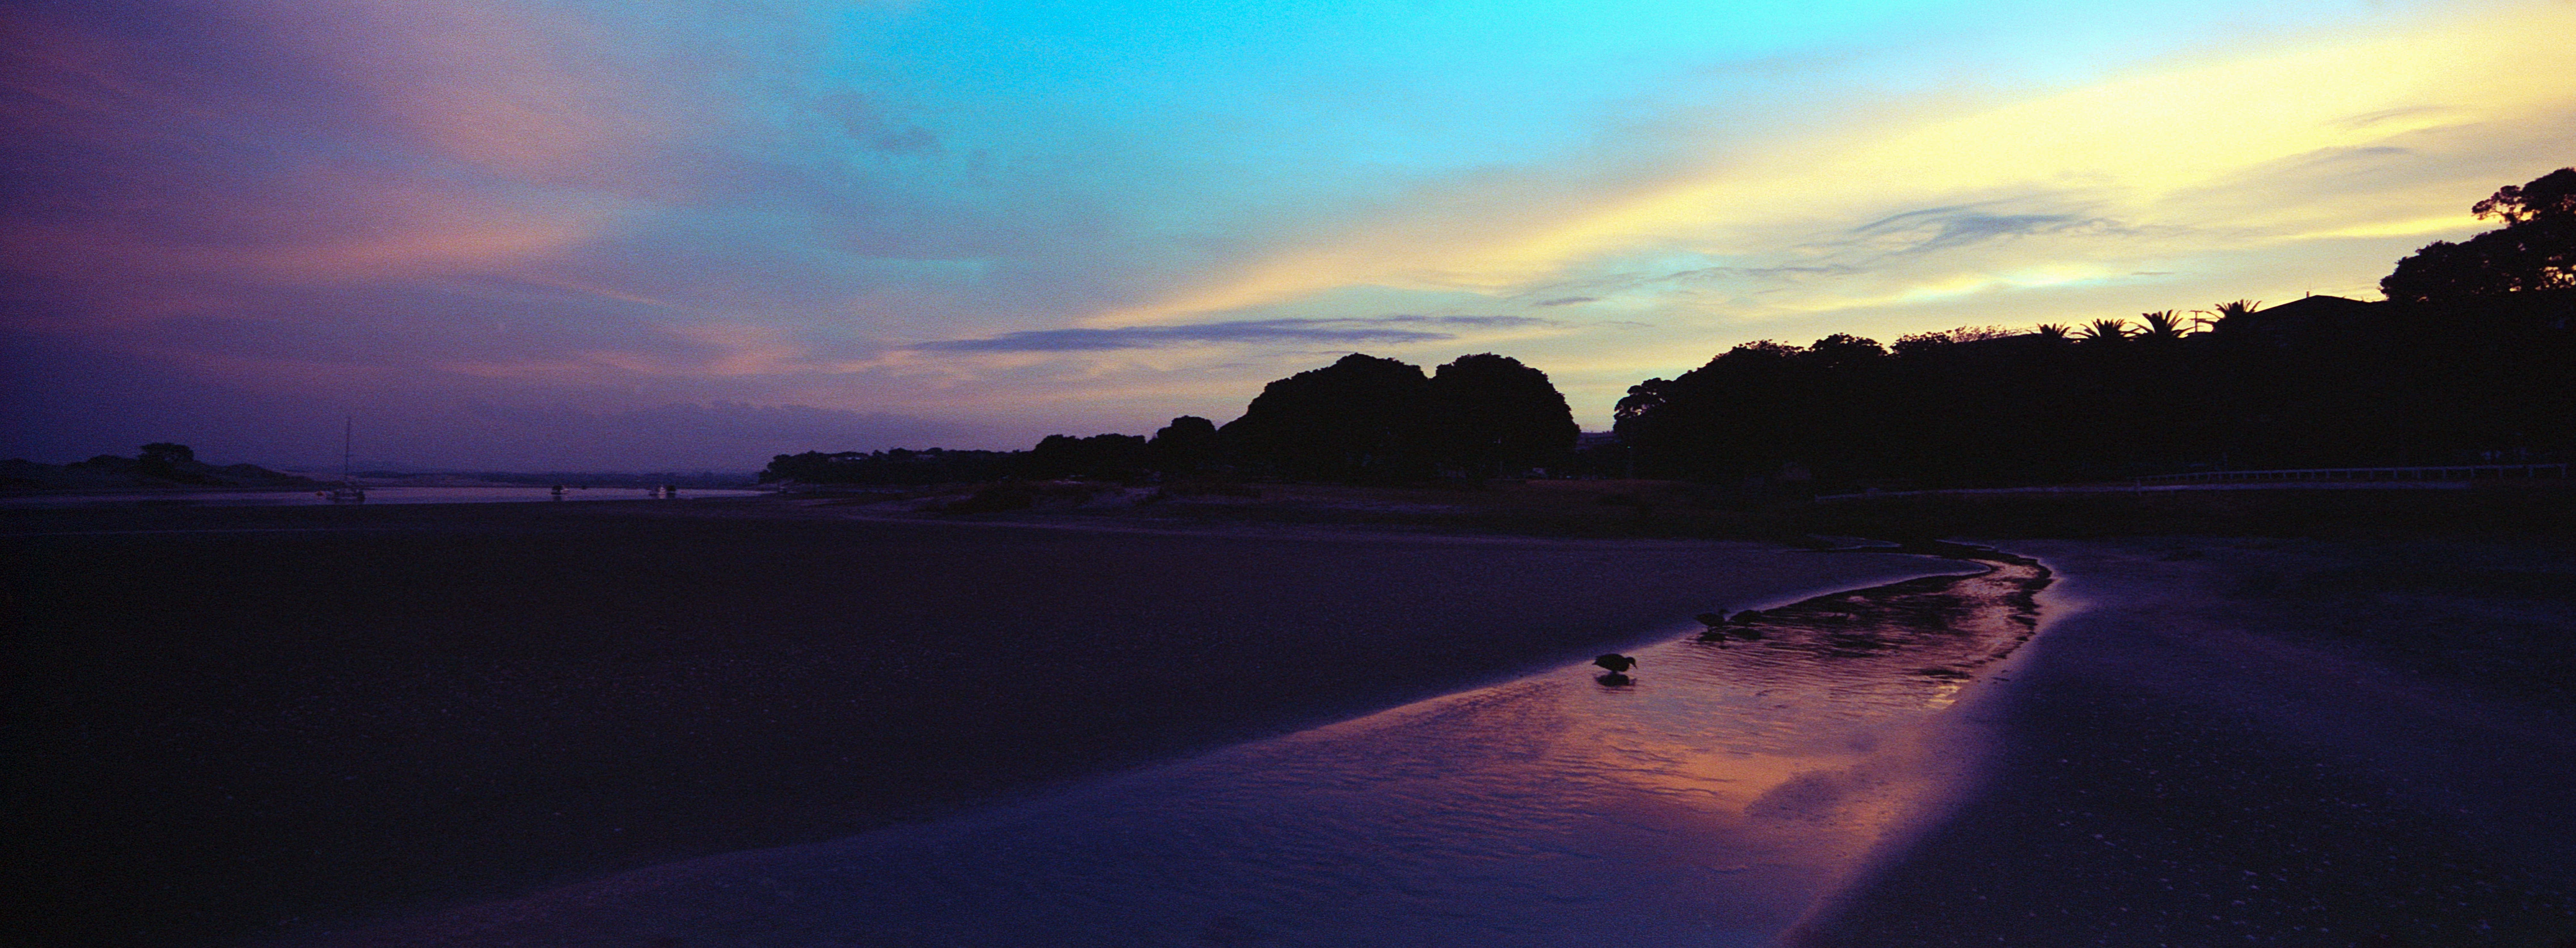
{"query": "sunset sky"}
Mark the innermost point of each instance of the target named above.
(646, 235)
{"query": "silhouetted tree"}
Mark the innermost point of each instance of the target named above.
(1113, 456)
(2222, 312)
(2549, 197)
(1187, 444)
(1917, 344)
(1489, 414)
(2534, 252)
(895, 467)
(1357, 419)
(1758, 407)
(173, 462)
(2104, 331)
(163, 457)
(2163, 326)
(2319, 382)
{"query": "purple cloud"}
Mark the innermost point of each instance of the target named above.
(1383, 329)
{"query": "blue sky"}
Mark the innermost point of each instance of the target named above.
(507, 233)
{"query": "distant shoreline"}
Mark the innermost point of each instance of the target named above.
(378, 494)
(1610, 509)
(1613, 509)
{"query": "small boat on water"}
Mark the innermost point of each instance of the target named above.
(348, 491)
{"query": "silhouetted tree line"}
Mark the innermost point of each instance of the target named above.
(1361, 419)
(896, 467)
(1370, 419)
(2535, 252)
(2472, 359)
(160, 464)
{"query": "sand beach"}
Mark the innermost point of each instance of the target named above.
(2262, 741)
(780, 723)
(239, 722)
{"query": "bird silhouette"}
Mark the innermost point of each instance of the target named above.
(1615, 663)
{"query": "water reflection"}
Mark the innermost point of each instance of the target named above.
(1712, 798)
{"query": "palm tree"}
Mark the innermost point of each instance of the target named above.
(2226, 311)
(2163, 325)
(2104, 330)
(2053, 332)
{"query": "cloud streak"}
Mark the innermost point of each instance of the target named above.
(1100, 218)
(1935, 177)
(1941, 228)
(1383, 329)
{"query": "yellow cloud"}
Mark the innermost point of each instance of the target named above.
(2418, 227)
(1941, 288)
(2182, 144)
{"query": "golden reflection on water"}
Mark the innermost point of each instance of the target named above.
(1768, 767)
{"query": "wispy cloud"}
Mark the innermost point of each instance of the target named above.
(2132, 168)
(2377, 116)
(1758, 273)
(1941, 228)
(1104, 218)
(746, 435)
(1383, 329)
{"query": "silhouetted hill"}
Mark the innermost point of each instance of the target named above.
(699, 479)
(107, 472)
(1361, 419)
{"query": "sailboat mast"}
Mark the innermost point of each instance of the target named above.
(348, 492)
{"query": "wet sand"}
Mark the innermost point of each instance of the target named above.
(2223, 742)
(241, 723)
(1707, 797)
(266, 724)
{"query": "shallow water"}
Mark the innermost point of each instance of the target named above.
(1714, 798)
(375, 496)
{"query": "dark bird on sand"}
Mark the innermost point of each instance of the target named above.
(1712, 619)
(1615, 662)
